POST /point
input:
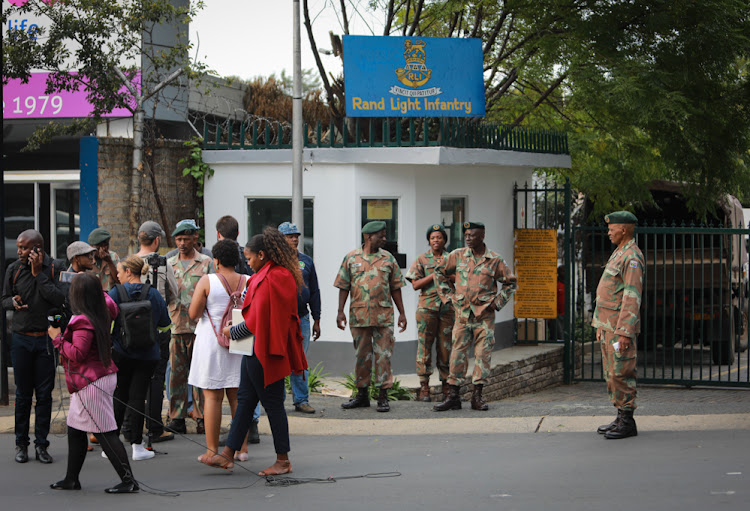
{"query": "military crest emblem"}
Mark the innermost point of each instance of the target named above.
(415, 73)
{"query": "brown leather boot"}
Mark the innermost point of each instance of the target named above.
(624, 428)
(452, 402)
(424, 392)
(446, 390)
(361, 400)
(383, 405)
(477, 403)
(606, 427)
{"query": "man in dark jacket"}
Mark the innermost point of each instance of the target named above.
(30, 292)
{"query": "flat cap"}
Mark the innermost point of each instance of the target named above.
(621, 217)
(373, 227)
(288, 228)
(436, 228)
(187, 226)
(78, 248)
(472, 225)
(152, 229)
(99, 235)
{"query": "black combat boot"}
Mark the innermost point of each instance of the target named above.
(361, 400)
(446, 390)
(606, 427)
(452, 402)
(624, 428)
(477, 403)
(383, 405)
(424, 392)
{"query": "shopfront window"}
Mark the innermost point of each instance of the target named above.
(67, 220)
(18, 209)
(453, 215)
(264, 212)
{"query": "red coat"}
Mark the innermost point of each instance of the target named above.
(270, 312)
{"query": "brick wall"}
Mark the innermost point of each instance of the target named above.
(518, 377)
(177, 193)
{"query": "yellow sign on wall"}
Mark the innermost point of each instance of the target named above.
(535, 262)
(379, 210)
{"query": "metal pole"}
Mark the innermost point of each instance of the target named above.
(298, 211)
(4, 340)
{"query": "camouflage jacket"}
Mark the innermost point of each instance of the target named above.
(101, 270)
(187, 279)
(618, 296)
(423, 266)
(370, 279)
(476, 282)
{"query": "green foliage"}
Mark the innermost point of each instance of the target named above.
(44, 134)
(196, 168)
(314, 379)
(395, 393)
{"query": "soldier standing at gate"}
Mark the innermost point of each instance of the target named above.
(475, 298)
(374, 279)
(434, 314)
(617, 322)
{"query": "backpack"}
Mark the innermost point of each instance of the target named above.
(235, 302)
(137, 330)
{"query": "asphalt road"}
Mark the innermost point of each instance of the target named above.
(690, 470)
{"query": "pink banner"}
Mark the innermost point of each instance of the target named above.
(28, 101)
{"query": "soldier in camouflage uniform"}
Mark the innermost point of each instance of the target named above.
(617, 322)
(105, 261)
(434, 314)
(475, 298)
(373, 277)
(189, 266)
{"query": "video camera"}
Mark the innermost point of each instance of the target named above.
(155, 260)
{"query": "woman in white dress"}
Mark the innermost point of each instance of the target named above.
(213, 368)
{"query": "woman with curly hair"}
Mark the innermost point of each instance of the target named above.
(270, 313)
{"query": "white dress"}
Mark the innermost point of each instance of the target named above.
(212, 366)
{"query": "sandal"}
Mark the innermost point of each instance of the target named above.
(286, 468)
(218, 461)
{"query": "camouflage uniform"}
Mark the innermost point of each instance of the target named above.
(618, 306)
(370, 278)
(183, 334)
(475, 289)
(101, 270)
(434, 320)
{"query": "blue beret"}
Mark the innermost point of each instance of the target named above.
(373, 227)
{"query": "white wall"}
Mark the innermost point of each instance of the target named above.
(338, 179)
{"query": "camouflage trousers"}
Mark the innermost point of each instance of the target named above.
(434, 326)
(374, 346)
(481, 332)
(619, 371)
(180, 355)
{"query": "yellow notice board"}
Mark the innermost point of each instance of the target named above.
(379, 210)
(535, 261)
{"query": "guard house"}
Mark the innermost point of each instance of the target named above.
(462, 171)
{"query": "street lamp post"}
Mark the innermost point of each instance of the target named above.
(297, 143)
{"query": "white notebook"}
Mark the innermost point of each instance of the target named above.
(241, 346)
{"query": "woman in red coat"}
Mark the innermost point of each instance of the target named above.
(270, 313)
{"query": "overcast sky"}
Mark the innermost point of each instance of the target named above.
(249, 38)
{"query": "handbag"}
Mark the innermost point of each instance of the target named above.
(235, 302)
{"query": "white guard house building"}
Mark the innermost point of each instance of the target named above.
(411, 188)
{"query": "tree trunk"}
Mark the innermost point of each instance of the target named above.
(135, 178)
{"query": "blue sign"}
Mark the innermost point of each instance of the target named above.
(413, 77)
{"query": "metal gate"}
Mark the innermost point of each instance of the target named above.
(695, 299)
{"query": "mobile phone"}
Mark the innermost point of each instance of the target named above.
(67, 276)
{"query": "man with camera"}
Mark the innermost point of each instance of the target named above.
(30, 292)
(105, 260)
(161, 276)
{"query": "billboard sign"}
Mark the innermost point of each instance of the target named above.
(413, 77)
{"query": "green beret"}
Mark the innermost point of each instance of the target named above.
(472, 225)
(621, 217)
(373, 227)
(436, 228)
(185, 227)
(99, 235)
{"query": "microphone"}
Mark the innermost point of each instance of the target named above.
(54, 317)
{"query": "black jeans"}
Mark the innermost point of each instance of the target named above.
(251, 391)
(133, 381)
(33, 371)
(155, 396)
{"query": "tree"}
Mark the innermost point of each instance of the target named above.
(645, 88)
(112, 51)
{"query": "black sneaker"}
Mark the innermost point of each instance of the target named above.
(176, 426)
(165, 436)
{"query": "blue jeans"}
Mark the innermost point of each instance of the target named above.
(300, 389)
(33, 371)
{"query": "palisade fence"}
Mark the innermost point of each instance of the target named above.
(694, 312)
(385, 132)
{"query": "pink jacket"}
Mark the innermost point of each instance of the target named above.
(80, 352)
